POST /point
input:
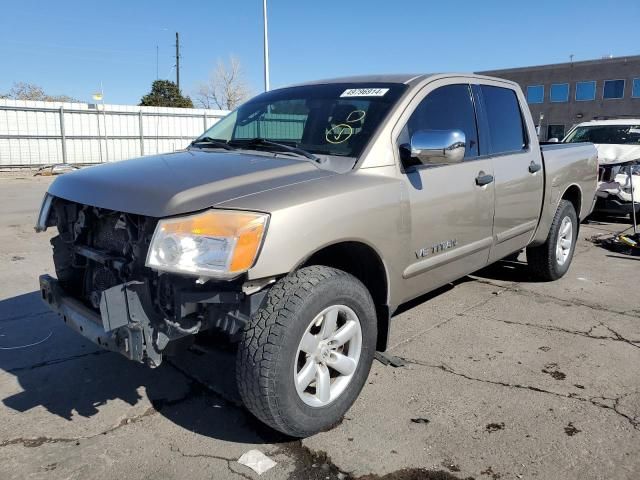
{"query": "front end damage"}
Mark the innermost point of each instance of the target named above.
(618, 190)
(105, 292)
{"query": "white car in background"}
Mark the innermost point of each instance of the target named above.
(618, 144)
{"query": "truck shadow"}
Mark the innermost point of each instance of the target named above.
(58, 370)
(507, 271)
(504, 271)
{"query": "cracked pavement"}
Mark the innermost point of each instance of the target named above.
(509, 378)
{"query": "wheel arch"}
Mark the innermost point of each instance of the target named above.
(363, 262)
(573, 194)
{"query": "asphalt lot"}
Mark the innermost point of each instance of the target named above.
(505, 378)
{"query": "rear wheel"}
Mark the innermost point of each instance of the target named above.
(552, 259)
(306, 354)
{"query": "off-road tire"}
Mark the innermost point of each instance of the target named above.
(268, 346)
(542, 259)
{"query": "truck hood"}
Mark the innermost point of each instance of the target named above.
(181, 182)
(610, 154)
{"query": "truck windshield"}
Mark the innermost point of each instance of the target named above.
(330, 119)
(603, 134)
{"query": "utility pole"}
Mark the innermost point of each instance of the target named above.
(266, 47)
(178, 60)
(157, 56)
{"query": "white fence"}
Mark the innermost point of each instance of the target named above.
(46, 133)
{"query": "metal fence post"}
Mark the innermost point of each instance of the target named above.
(63, 138)
(99, 134)
(106, 138)
(141, 133)
(204, 119)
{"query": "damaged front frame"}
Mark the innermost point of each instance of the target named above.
(127, 324)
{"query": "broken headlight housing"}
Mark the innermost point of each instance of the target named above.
(214, 243)
(45, 208)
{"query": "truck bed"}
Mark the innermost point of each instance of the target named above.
(567, 166)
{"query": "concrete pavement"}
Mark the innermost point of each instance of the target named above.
(505, 378)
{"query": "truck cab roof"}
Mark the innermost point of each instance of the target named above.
(411, 79)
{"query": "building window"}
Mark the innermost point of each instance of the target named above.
(559, 92)
(555, 131)
(535, 94)
(635, 91)
(585, 91)
(613, 89)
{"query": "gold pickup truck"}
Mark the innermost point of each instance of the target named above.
(299, 223)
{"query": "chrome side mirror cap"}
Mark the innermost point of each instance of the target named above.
(438, 147)
(553, 140)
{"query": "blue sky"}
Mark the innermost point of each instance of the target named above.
(69, 47)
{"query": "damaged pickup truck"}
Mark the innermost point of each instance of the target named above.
(298, 224)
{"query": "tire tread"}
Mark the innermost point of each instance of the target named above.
(541, 259)
(260, 346)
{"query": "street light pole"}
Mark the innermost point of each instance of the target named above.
(97, 97)
(266, 46)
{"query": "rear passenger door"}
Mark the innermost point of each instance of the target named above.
(518, 171)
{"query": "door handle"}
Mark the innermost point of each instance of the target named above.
(483, 179)
(534, 167)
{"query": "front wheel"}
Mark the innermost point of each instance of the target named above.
(552, 259)
(305, 355)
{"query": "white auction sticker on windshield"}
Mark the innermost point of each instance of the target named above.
(364, 92)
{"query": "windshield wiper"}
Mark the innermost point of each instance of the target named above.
(256, 142)
(212, 141)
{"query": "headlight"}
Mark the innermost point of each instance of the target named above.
(215, 243)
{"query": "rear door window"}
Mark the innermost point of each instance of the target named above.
(507, 133)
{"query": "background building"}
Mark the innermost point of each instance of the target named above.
(564, 94)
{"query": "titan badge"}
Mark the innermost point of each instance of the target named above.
(437, 248)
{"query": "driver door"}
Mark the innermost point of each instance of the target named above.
(451, 214)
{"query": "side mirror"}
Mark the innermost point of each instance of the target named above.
(437, 147)
(553, 140)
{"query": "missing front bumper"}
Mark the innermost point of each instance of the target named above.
(122, 326)
(127, 324)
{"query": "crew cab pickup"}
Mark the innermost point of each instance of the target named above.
(299, 223)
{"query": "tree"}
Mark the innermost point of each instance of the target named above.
(30, 91)
(226, 88)
(165, 93)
